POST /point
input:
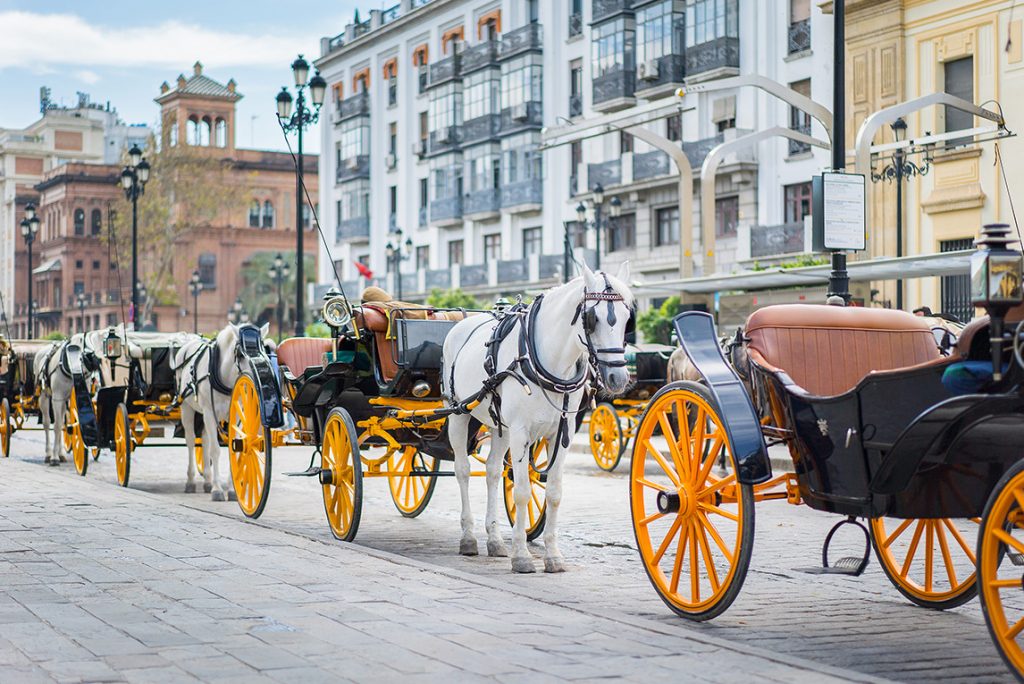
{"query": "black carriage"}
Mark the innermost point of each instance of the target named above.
(369, 400)
(19, 391)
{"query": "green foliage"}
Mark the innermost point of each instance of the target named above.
(452, 299)
(655, 325)
(799, 262)
(318, 330)
(259, 289)
(55, 336)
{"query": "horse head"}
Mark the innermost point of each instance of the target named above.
(607, 314)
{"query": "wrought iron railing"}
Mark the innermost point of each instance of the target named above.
(353, 229)
(529, 37)
(799, 36)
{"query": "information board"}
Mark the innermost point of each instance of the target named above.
(839, 211)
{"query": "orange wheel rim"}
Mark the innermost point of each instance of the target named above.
(77, 443)
(200, 461)
(121, 447)
(5, 436)
(605, 437)
(245, 429)
(538, 500)
(931, 558)
(1002, 534)
(408, 491)
(691, 554)
(339, 496)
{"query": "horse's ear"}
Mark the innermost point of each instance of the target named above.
(623, 273)
(265, 329)
(589, 279)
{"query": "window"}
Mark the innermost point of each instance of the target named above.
(708, 20)
(625, 142)
(268, 214)
(424, 194)
(575, 88)
(454, 252)
(674, 127)
(355, 138)
(337, 213)
(480, 165)
(480, 94)
(577, 234)
(531, 242)
(393, 206)
(622, 232)
(659, 31)
(799, 10)
(79, 264)
(79, 221)
(355, 200)
(492, 248)
(424, 127)
(445, 106)
(208, 270)
(95, 265)
(96, 221)
(612, 48)
(423, 257)
(521, 81)
(725, 124)
(576, 159)
(254, 214)
(798, 201)
(727, 215)
(173, 136)
(221, 133)
(534, 10)
(392, 91)
(959, 79)
(956, 289)
(393, 137)
(447, 181)
(666, 226)
(800, 120)
(521, 158)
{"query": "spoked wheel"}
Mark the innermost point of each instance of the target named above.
(200, 460)
(1000, 557)
(931, 561)
(538, 509)
(249, 448)
(606, 441)
(410, 480)
(122, 445)
(77, 441)
(6, 428)
(694, 529)
(341, 475)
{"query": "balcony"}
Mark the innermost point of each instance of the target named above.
(606, 173)
(356, 105)
(479, 56)
(422, 217)
(523, 116)
(613, 90)
(575, 105)
(697, 150)
(447, 211)
(354, 168)
(515, 271)
(523, 196)
(799, 36)
(650, 164)
(353, 230)
(522, 40)
(575, 25)
(714, 59)
(475, 274)
(482, 204)
(444, 140)
(481, 128)
(445, 70)
(438, 278)
(606, 9)
(660, 76)
(768, 241)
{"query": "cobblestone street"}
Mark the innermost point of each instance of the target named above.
(151, 584)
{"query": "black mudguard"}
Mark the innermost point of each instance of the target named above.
(83, 399)
(263, 373)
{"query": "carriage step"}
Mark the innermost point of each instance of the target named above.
(850, 565)
(1015, 558)
(311, 471)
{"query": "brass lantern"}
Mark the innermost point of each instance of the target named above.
(996, 270)
(112, 345)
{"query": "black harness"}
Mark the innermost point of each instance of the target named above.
(212, 352)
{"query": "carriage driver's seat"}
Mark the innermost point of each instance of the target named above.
(296, 354)
(828, 350)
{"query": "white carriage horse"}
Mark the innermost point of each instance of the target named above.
(531, 372)
(55, 382)
(206, 371)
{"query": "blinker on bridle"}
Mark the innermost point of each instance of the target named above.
(589, 314)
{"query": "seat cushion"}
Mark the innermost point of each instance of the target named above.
(827, 350)
(299, 353)
(377, 317)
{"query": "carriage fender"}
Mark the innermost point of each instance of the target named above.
(83, 399)
(262, 371)
(697, 335)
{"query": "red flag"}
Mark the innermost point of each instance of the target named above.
(363, 269)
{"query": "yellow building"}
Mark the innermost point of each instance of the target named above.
(898, 50)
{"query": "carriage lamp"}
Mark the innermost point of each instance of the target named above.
(335, 313)
(112, 344)
(996, 272)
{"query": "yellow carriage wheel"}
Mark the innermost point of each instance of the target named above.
(538, 509)
(694, 530)
(66, 432)
(250, 448)
(1000, 553)
(931, 561)
(78, 451)
(606, 439)
(341, 475)
(411, 492)
(122, 445)
(200, 460)
(6, 428)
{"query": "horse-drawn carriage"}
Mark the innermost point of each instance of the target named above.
(613, 421)
(19, 391)
(369, 400)
(880, 426)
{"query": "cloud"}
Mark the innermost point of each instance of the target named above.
(87, 76)
(33, 40)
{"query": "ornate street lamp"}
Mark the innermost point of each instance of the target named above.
(395, 256)
(29, 230)
(597, 201)
(279, 270)
(235, 314)
(195, 286)
(133, 181)
(298, 122)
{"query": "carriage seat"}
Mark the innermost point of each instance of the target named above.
(827, 350)
(377, 319)
(296, 354)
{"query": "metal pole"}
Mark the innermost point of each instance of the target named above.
(597, 224)
(300, 281)
(565, 253)
(898, 159)
(398, 274)
(280, 312)
(195, 311)
(839, 278)
(29, 244)
(135, 253)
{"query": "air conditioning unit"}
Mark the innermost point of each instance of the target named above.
(391, 161)
(648, 71)
(447, 135)
(352, 163)
(520, 112)
(419, 149)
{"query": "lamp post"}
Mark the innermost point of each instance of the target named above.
(143, 297)
(396, 256)
(279, 271)
(597, 201)
(195, 286)
(29, 229)
(80, 300)
(133, 181)
(898, 168)
(235, 312)
(299, 121)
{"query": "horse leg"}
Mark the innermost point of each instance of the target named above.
(495, 465)
(188, 425)
(553, 560)
(458, 434)
(44, 418)
(211, 452)
(60, 409)
(519, 450)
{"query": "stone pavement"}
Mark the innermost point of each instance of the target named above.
(103, 584)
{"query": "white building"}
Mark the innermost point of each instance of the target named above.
(434, 117)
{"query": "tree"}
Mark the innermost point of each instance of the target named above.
(656, 324)
(259, 289)
(452, 299)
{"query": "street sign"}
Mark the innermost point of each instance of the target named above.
(838, 215)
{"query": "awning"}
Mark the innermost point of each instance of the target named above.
(923, 266)
(48, 266)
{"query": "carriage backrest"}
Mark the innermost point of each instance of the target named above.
(299, 353)
(827, 350)
(380, 318)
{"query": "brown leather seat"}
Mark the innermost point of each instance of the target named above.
(377, 319)
(299, 353)
(827, 350)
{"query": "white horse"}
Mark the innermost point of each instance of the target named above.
(568, 331)
(51, 382)
(203, 377)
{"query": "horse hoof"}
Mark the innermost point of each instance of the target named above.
(54, 463)
(468, 547)
(46, 459)
(217, 496)
(232, 496)
(496, 548)
(190, 488)
(554, 565)
(207, 487)
(63, 458)
(523, 564)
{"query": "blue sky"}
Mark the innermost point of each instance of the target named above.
(122, 51)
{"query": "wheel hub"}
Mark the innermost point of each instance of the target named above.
(327, 476)
(681, 501)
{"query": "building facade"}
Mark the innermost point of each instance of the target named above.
(434, 123)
